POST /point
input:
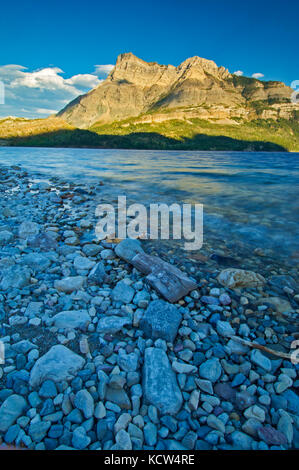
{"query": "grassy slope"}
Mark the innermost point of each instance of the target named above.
(192, 133)
(173, 134)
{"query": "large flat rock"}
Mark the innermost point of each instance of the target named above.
(72, 319)
(58, 364)
(159, 385)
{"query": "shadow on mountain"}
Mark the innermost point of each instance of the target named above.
(139, 140)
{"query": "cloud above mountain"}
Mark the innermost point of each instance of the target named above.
(45, 91)
(257, 75)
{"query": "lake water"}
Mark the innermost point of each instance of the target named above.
(251, 200)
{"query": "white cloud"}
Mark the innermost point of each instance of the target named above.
(103, 70)
(84, 80)
(239, 73)
(46, 111)
(43, 91)
(257, 75)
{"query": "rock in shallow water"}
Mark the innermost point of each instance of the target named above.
(160, 386)
(238, 278)
(128, 248)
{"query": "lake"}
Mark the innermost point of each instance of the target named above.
(250, 199)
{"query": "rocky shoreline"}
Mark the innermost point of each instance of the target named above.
(96, 359)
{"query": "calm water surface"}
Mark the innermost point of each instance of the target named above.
(250, 198)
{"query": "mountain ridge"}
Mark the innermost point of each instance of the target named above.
(136, 87)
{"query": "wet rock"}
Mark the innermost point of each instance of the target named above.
(238, 278)
(10, 410)
(37, 431)
(150, 434)
(210, 369)
(85, 403)
(123, 440)
(161, 320)
(251, 427)
(215, 423)
(119, 397)
(97, 274)
(169, 281)
(83, 263)
(36, 261)
(122, 292)
(260, 360)
(128, 248)
(271, 436)
(28, 229)
(241, 441)
(128, 362)
(160, 387)
(112, 324)
(224, 328)
(5, 237)
(276, 303)
(255, 412)
(69, 284)
(91, 249)
(80, 440)
(58, 364)
(71, 319)
(43, 241)
(15, 277)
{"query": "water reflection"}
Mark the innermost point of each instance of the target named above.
(256, 194)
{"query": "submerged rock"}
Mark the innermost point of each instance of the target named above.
(238, 278)
(276, 303)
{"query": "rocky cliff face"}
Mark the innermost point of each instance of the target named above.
(135, 87)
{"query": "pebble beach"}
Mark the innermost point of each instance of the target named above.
(96, 359)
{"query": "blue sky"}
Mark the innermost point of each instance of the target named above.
(51, 51)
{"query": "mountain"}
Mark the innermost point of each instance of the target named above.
(196, 88)
(195, 106)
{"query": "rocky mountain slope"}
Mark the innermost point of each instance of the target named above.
(196, 88)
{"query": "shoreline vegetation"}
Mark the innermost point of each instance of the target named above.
(97, 359)
(174, 134)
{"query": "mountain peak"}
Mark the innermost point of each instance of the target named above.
(135, 87)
